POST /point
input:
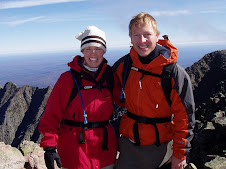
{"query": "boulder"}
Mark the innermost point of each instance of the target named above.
(33, 155)
(10, 157)
(216, 163)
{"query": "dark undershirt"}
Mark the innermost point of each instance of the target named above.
(154, 54)
(148, 58)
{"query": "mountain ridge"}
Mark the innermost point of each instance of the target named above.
(206, 74)
(20, 111)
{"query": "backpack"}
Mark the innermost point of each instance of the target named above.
(78, 76)
(165, 77)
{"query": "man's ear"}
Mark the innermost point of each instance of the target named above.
(157, 34)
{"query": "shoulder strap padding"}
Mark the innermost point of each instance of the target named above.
(74, 90)
(166, 81)
(126, 68)
(107, 75)
(110, 78)
(165, 76)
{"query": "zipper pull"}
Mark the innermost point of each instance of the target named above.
(140, 80)
(140, 84)
(157, 106)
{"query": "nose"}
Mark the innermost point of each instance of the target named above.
(142, 38)
(93, 50)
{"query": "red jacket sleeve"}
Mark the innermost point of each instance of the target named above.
(55, 111)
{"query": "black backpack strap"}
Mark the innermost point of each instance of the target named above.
(144, 72)
(109, 77)
(147, 120)
(74, 90)
(126, 68)
(125, 74)
(165, 77)
(90, 125)
(166, 81)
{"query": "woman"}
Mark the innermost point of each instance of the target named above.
(77, 114)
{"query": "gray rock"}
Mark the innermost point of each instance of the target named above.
(217, 163)
(33, 154)
(10, 157)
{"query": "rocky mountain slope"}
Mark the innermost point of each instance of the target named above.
(208, 76)
(22, 107)
(20, 111)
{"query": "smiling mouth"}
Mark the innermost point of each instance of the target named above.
(93, 59)
(143, 47)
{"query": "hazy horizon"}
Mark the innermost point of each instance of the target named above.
(43, 69)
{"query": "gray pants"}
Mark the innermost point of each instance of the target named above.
(143, 156)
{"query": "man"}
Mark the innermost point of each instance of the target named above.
(152, 124)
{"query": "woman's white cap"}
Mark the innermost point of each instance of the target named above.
(92, 36)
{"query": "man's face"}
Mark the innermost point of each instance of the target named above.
(144, 39)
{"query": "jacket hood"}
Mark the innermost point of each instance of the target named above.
(168, 54)
(76, 63)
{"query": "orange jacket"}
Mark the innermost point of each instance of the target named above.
(147, 99)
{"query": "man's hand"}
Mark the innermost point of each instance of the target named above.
(176, 163)
(51, 155)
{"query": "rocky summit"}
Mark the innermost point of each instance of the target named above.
(208, 77)
(22, 107)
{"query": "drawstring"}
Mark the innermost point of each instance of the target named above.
(84, 113)
(140, 80)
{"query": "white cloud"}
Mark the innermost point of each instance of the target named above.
(209, 11)
(29, 3)
(170, 13)
(18, 22)
(200, 42)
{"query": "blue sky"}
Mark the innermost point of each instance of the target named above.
(28, 26)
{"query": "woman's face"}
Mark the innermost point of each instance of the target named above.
(93, 56)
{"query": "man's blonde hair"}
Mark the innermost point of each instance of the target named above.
(140, 19)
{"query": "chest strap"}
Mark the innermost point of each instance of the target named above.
(90, 125)
(146, 120)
